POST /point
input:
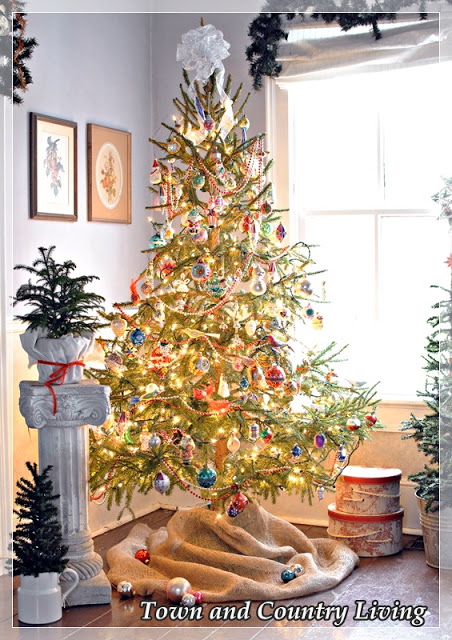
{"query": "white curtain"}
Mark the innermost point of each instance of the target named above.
(315, 54)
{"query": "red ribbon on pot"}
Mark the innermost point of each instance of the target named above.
(58, 376)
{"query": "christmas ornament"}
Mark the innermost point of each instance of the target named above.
(206, 477)
(152, 390)
(114, 362)
(257, 285)
(201, 236)
(198, 181)
(239, 501)
(233, 443)
(341, 454)
(154, 441)
(173, 146)
(187, 445)
(266, 228)
(319, 440)
(232, 512)
(209, 122)
(199, 364)
(143, 556)
(317, 322)
(244, 384)
(250, 327)
(219, 203)
(266, 435)
(137, 337)
(211, 219)
(292, 387)
(223, 388)
(266, 208)
(258, 377)
(244, 124)
(254, 431)
(166, 266)
(321, 493)
(118, 325)
(199, 597)
(308, 312)
(303, 288)
(200, 272)
(296, 451)
(128, 437)
(280, 232)
(125, 590)
(296, 568)
(370, 419)
(353, 424)
(161, 482)
(156, 242)
(287, 575)
(188, 600)
(146, 288)
(330, 376)
(155, 177)
(177, 588)
(275, 376)
(144, 440)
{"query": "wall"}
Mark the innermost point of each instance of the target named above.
(86, 69)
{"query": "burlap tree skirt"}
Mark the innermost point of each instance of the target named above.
(230, 558)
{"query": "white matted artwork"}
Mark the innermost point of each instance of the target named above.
(53, 168)
(109, 175)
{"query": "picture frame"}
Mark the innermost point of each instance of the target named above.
(53, 168)
(109, 174)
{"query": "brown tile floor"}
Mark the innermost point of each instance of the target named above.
(404, 577)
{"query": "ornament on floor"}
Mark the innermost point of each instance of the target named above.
(287, 575)
(233, 443)
(125, 590)
(370, 419)
(341, 454)
(296, 568)
(275, 376)
(353, 424)
(161, 482)
(177, 588)
(319, 440)
(206, 477)
(199, 596)
(143, 556)
(118, 325)
(200, 272)
(137, 337)
(188, 600)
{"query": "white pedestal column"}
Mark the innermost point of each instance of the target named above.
(63, 443)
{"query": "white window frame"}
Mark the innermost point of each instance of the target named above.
(391, 411)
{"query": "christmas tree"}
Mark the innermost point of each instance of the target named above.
(37, 542)
(212, 386)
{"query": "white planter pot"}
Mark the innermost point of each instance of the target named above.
(430, 532)
(62, 350)
(39, 599)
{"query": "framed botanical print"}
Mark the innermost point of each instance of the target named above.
(53, 168)
(109, 175)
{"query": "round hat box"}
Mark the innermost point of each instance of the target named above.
(368, 535)
(368, 490)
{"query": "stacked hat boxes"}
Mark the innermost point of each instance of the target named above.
(367, 515)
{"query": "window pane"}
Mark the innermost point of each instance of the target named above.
(412, 253)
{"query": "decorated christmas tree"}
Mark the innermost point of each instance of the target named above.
(213, 387)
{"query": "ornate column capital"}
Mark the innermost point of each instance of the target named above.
(77, 404)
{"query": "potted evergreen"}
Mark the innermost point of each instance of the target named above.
(39, 554)
(426, 430)
(62, 319)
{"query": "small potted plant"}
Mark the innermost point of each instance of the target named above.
(63, 318)
(39, 554)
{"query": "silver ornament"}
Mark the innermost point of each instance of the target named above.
(125, 590)
(177, 588)
(154, 440)
(161, 482)
(188, 600)
(296, 568)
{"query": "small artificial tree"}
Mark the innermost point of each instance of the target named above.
(37, 542)
(60, 303)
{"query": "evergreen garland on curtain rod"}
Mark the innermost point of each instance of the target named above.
(14, 73)
(266, 32)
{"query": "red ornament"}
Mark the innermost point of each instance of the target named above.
(143, 556)
(275, 376)
(330, 375)
(199, 597)
(239, 501)
(159, 361)
(370, 419)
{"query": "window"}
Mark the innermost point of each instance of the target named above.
(366, 154)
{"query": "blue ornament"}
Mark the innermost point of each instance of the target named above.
(137, 337)
(232, 511)
(134, 400)
(156, 241)
(341, 454)
(244, 384)
(206, 477)
(296, 451)
(287, 575)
